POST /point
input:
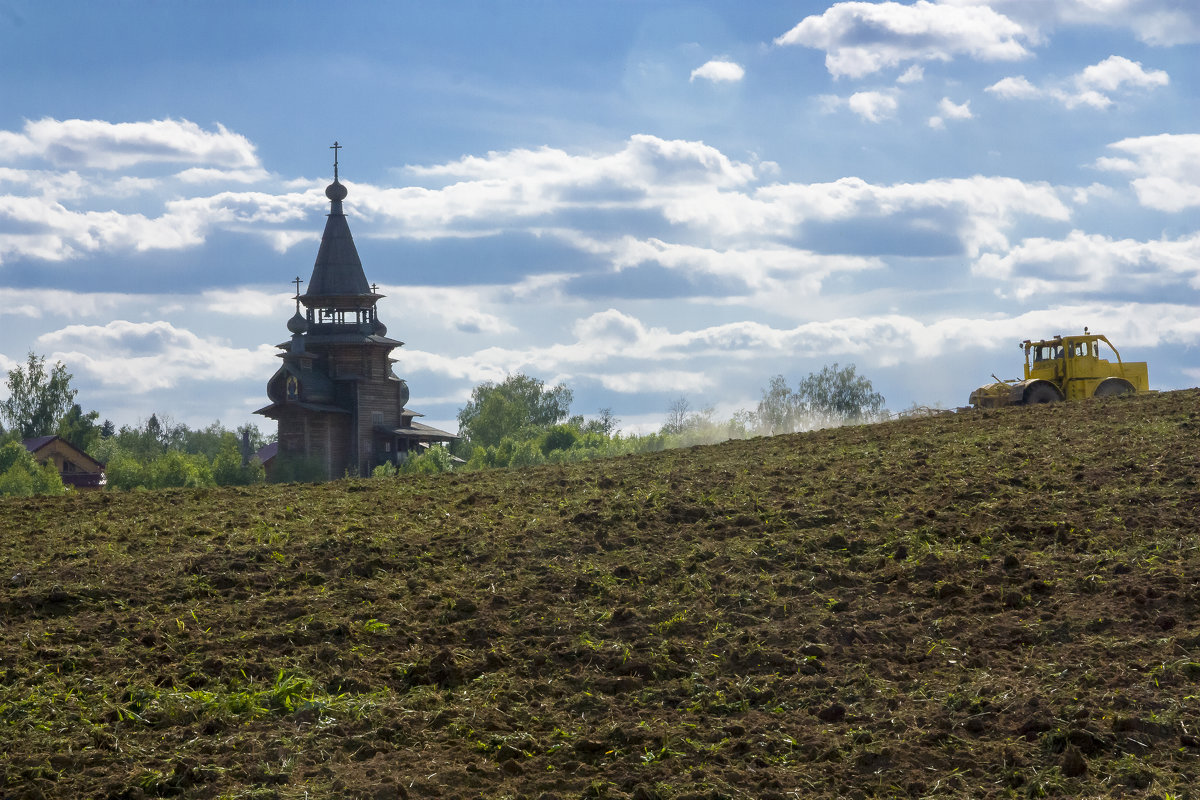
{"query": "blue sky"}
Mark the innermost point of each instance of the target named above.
(640, 199)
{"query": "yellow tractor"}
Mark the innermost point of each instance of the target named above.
(1065, 368)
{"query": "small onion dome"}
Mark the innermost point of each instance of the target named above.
(336, 191)
(297, 324)
(403, 398)
(380, 328)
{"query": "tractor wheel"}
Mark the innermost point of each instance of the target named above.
(1040, 394)
(1111, 387)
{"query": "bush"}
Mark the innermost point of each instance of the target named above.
(124, 471)
(298, 469)
(558, 437)
(228, 469)
(22, 476)
(385, 470)
(177, 470)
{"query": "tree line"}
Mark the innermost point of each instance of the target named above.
(519, 421)
(155, 453)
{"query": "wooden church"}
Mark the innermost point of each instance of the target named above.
(338, 403)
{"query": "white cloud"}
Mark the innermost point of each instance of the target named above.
(222, 176)
(861, 38)
(655, 381)
(914, 74)
(243, 302)
(47, 230)
(719, 71)
(981, 208)
(46, 303)
(1162, 23)
(1090, 263)
(1015, 88)
(950, 110)
(1117, 72)
(873, 106)
(78, 143)
(775, 268)
(143, 356)
(1090, 87)
(1166, 166)
(626, 354)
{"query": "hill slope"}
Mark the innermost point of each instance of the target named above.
(989, 604)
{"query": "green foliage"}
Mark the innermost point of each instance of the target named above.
(80, 429)
(125, 471)
(836, 396)
(433, 461)
(558, 437)
(13, 453)
(158, 454)
(298, 469)
(519, 406)
(174, 469)
(228, 469)
(780, 410)
(385, 470)
(37, 399)
(499, 431)
(22, 476)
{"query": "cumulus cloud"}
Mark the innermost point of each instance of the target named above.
(44, 228)
(978, 210)
(1116, 72)
(143, 356)
(1166, 169)
(79, 143)
(861, 38)
(873, 106)
(626, 354)
(777, 268)
(1092, 264)
(1162, 23)
(1091, 87)
(245, 302)
(669, 380)
(44, 303)
(950, 110)
(1015, 88)
(47, 230)
(719, 71)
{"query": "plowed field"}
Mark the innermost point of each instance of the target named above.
(988, 604)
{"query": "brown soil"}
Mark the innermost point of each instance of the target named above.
(988, 604)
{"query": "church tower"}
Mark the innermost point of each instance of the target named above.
(339, 405)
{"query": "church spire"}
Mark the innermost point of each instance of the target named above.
(337, 279)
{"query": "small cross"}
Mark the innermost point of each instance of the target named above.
(297, 281)
(335, 147)
(374, 288)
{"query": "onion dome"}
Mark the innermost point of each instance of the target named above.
(297, 324)
(336, 191)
